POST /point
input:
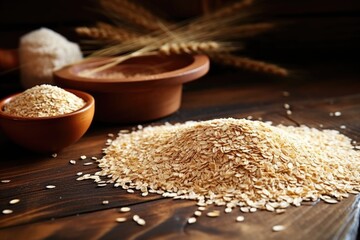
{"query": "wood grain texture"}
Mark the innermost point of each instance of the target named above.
(74, 209)
(167, 219)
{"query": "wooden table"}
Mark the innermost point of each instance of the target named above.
(75, 209)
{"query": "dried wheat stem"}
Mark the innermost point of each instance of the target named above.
(147, 50)
(92, 32)
(133, 13)
(104, 31)
(192, 47)
(249, 64)
(104, 34)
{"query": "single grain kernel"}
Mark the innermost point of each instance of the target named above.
(240, 218)
(120, 219)
(125, 209)
(278, 228)
(14, 201)
(7, 211)
(191, 220)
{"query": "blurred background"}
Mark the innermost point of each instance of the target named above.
(308, 32)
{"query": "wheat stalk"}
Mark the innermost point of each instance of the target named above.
(104, 31)
(193, 47)
(133, 13)
(249, 64)
(205, 30)
(204, 35)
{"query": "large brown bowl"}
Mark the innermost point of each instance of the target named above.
(139, 89)
(48, 134)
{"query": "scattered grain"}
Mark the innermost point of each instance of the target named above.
(79, 173)
(83, 157)
(5, 181)
(50, 186)
(245, 209)
(54, 155)
(125, 209)
(253, 209)
(73, 162)
(214, 213)
(14, 201)
(191, 220)
(228, 210)
(88, 163)
(240, 218)
(120, 219)
(105, 202)
(337, 114)
(197, 213)
(342, 126)
(141, 222)
(7, 211)
(280, 211)
(286, 106)
(288, 112)
(278, 228)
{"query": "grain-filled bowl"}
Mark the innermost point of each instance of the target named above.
(47, 134)
(139, 89)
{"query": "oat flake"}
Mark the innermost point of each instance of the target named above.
(234, 162)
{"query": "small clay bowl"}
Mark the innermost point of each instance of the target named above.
(48, 134)
(139, 89)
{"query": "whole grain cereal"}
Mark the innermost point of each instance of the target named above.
(43, 101)
(235, 163)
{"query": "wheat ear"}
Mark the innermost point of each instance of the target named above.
(133, 13)
(249, 64)
(188, 47)
(105, 31)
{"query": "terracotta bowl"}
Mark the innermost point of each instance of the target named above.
(138, 89)
(48, 134)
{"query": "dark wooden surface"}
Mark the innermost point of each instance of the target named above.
(74, 209)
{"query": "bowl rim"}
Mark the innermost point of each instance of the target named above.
(197, 68)
(89, 103)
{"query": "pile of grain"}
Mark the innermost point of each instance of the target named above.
(235, 162)
(43, 101)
